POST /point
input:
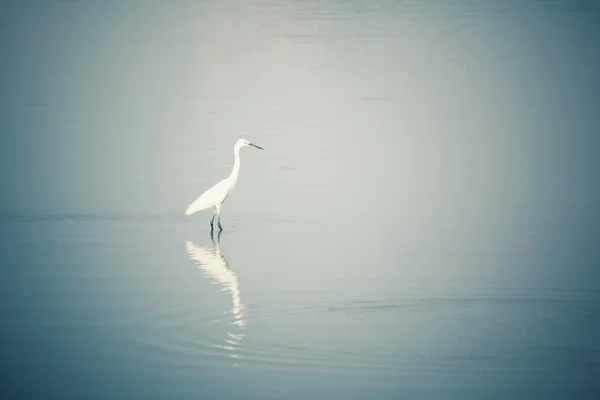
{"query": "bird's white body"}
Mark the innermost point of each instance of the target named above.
(216, 195)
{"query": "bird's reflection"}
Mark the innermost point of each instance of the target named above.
(214, 265)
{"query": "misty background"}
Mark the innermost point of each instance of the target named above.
(406, 143)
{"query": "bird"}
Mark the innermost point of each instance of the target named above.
(216, 195)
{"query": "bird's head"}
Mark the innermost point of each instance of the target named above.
(243, 142)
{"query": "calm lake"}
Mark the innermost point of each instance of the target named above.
(422, 223)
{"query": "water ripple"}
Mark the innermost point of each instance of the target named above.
(188, 340)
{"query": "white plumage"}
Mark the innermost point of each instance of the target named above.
(216, 195)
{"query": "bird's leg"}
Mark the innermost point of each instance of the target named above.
(212, 220)
(219, 218)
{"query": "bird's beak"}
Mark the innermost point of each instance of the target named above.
(258, 147)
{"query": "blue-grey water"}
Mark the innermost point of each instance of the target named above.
(423, 222)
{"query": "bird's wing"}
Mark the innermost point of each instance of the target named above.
(213, 196)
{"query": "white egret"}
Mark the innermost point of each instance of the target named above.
(216, 195)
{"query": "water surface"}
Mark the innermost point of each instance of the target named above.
(422, 223)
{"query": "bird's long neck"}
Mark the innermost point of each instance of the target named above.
(236, 166)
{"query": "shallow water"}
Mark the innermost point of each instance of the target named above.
(422, 223)
(151, 307)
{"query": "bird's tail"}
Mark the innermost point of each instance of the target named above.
(190, 210)
(201, 203)
(196, 205)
